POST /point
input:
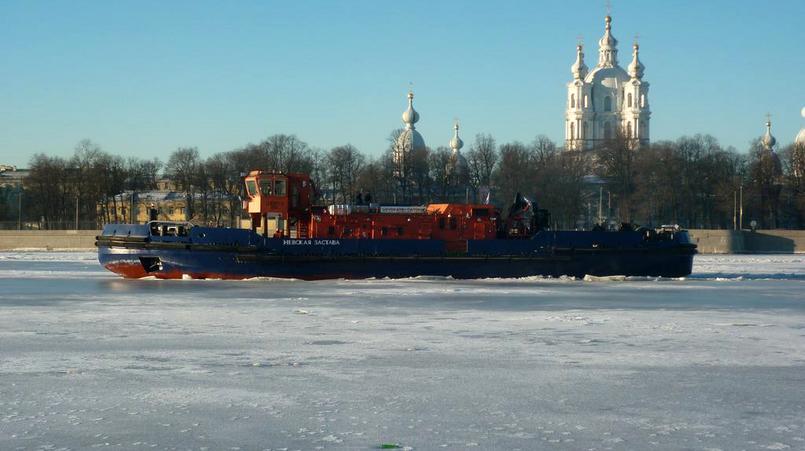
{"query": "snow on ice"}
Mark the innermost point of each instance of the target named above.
(712, 361)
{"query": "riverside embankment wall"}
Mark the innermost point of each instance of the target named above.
(748, 242)
(709, 241)
(47, 239)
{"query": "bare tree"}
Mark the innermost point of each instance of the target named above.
(378, 180)
(398, 161)
(46, 189)
(420, 173)
(616, 159)
(224, 182)
(794, 167)
(439, 159)
(514, 174)
(88, 168)
(543, 149)
(481, 159)
(183, 167)
(344, 164)
(557, 181)
(765, 183)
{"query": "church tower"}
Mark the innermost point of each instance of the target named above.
(408, 142)
(607, 101)
(457, 170)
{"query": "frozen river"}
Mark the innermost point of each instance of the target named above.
(714, 361)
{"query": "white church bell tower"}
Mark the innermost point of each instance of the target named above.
(607, 101)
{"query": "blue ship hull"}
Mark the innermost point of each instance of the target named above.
(203, 252)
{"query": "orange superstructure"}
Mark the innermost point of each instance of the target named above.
(286, 198)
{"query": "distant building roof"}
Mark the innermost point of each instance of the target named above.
(11, 176)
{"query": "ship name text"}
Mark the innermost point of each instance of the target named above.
(311, 242)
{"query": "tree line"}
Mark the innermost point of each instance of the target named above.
(692, 181)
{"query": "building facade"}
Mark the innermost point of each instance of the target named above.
(607, 101)
(12, 177)
(127, 207)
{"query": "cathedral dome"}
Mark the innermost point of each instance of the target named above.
(768, 155)
(800, 139)
(409, 139)
(579, 69)
(607, 40)
(610, 77)
(636, 68)
(410, 116)
(768, 139)
(456, 143)
(457, 164)
(608, 47)
(457, 168)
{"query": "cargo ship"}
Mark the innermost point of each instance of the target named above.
(290, 237)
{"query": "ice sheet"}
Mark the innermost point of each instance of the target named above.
(713, 361)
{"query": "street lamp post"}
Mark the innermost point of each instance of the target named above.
(734, 210)
(76, 211)
(741, 209)
(19, 208)
(600, 204)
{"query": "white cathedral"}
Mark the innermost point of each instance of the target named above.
(606, 101)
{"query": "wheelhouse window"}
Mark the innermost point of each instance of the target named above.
(279, 188)
(265, 187)
(251, 188)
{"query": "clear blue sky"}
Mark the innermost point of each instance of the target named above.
(143, 78)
